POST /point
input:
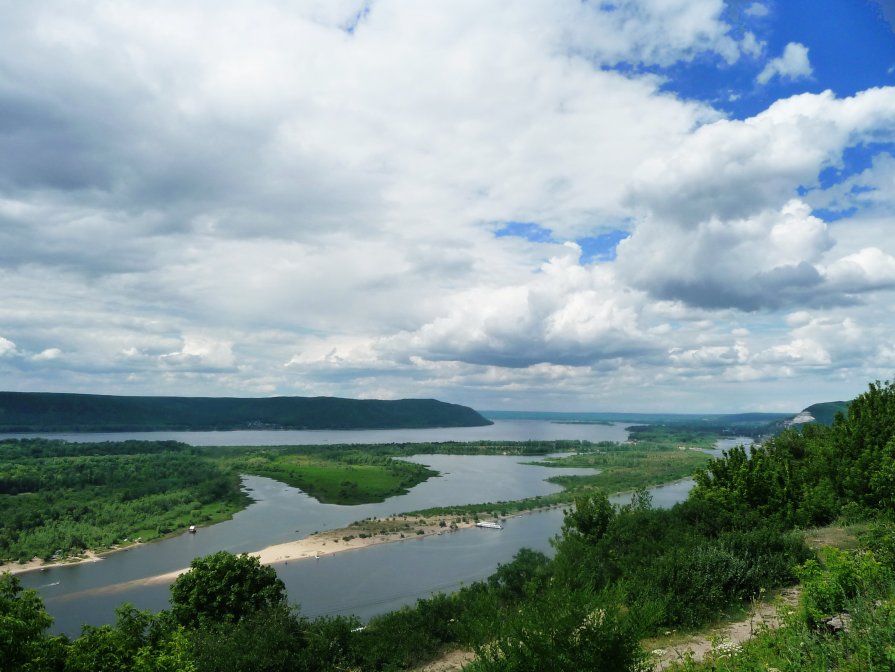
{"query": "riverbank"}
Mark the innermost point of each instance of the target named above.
(36, 564)
(362, 534)
(359, 535)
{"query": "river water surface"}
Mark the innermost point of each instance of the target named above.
(362, 582)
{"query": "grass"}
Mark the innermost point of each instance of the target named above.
(357, 479)
(629, 469)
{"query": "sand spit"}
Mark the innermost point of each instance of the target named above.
(359, 535)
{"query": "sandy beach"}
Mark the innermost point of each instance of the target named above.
(359, 535)
(36, 563)
(322, 544)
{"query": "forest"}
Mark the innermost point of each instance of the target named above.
(618, 575)
(59, 498)
(62, 412)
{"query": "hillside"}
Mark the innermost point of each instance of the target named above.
(52, 412)
(824, 413)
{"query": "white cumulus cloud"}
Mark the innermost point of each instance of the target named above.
(792, 64)
(7, 347)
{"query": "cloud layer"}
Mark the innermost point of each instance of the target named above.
(278, 198)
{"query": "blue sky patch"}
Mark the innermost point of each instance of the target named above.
(830, 216)
(839, 61)
(855, 160)
(602, 247)
(534, 233)
(593, 248)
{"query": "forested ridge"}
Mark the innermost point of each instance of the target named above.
(619, 574)
(56, 412)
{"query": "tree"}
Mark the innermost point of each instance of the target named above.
(528, 572)
(23, 620)
(224, 587)
(590, 518)
(270, 639)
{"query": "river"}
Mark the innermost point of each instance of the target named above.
(363, 582)
(501, 430)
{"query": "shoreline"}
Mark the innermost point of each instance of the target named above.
(36, 564)
(330, 542)
(403, 528)
(315, 546)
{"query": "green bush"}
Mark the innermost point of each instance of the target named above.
(564, 631)
(842, 576)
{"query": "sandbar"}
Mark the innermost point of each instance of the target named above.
(361, 534)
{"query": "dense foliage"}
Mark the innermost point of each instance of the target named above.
(225, 588)
(807, 477)
(333, 476)
(60, 498)
(852, 588)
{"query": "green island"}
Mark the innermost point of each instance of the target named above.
(810, 510)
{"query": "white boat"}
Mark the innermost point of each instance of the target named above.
(488, 524)
(192, 529)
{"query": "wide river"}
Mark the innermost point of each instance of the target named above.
(363, 582)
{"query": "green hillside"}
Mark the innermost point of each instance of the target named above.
(45, 412)
(825, 412)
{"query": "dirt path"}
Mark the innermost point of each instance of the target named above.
(728, 637)
(449, 662)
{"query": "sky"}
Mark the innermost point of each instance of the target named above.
(563, 205)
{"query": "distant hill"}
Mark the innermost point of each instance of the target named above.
(825, 412)
(59, 412)
(722, 419)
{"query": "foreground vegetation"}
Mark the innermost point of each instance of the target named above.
(845, 619)
(619, 574)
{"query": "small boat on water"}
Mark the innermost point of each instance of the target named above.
(192, 529)
(489, 524)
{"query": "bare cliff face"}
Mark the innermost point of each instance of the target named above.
(800, 419)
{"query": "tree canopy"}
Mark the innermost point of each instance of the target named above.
(225, 587)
